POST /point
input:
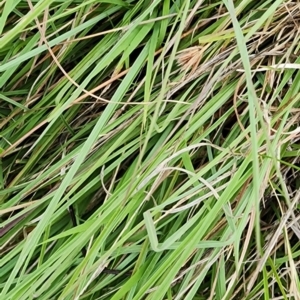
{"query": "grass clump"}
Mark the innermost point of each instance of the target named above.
(149, 149)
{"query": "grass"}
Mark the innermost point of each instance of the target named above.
(149, 149)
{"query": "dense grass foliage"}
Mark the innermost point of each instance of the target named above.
(149, 149)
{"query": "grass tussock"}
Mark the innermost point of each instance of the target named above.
(149, 149)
